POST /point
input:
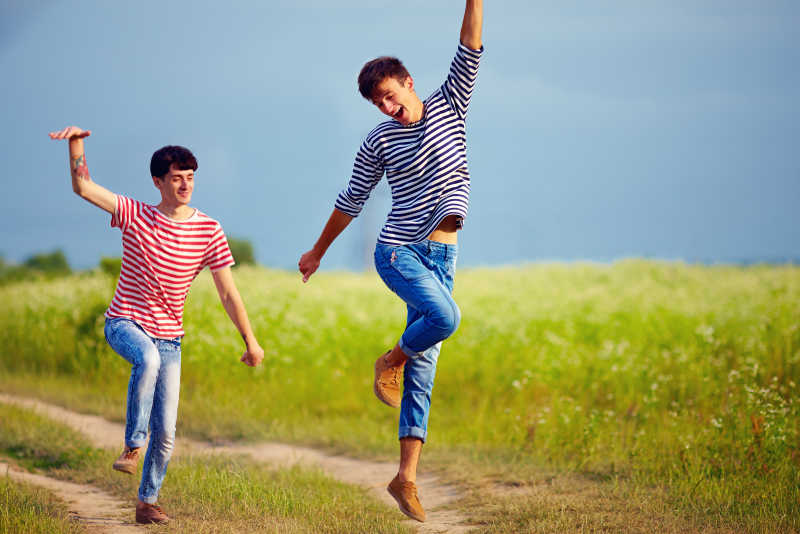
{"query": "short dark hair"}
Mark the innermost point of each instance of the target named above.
(165, 157)
(375, 71)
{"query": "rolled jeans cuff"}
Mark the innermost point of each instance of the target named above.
(412, 355)
(148, 500)
(413, 432)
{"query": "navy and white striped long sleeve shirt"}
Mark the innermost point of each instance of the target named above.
(425, 162)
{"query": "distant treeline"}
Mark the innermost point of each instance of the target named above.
(48, 265)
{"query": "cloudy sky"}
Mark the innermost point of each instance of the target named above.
(631, 128)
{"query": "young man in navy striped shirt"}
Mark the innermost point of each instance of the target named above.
(422, 151)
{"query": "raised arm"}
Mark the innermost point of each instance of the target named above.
(309, 262)
(232, 302)
(472, 25)
(82, 183)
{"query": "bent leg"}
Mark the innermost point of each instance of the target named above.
(130, 341)
(438, 316)
(422, 275)
(418, 280)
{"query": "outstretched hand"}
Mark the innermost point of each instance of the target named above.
(70, 132)
(253, 356)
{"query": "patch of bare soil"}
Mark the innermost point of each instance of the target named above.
(94, 508)
(434, 495)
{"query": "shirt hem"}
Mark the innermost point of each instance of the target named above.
(425, 237)
(108, 315)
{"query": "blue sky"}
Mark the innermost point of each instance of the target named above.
(657, 129)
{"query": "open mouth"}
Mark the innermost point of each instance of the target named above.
(398, 113)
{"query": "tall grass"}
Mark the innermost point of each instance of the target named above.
(667, 374)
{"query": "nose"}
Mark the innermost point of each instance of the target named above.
(386, 107)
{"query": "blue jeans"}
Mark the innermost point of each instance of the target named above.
(422, 275)
(152, 397)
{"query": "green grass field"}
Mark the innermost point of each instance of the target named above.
(206, 494)
(663, 377)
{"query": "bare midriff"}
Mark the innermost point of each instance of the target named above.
(447, 231)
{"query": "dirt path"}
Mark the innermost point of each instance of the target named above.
(373, 475)
(100, 512)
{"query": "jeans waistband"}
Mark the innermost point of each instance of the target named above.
(435, 249)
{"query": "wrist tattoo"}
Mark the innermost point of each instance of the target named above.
(79, 168)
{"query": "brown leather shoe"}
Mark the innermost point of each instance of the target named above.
(388, 380)
(128, 460)
(150, 513)
(405, 493)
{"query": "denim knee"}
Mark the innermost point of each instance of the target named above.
(149, 363)
(163, 443)
(445, 318)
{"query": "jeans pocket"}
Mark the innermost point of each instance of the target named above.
(407, 265)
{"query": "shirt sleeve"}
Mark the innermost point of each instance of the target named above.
(457, 89)
(127, 210)
(218, 253)
(367, 172)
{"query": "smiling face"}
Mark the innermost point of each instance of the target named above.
(398, 100)
(176, 186)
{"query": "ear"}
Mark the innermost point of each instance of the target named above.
(157, 182)
(409, 83)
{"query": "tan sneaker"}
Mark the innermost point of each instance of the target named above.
(128, 460)
(405, 493)
(388, 381)
(150, 513)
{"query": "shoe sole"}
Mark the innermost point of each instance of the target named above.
(124, 469)
(402, 508)
(383, 400)
(152, 521)
(377, 391)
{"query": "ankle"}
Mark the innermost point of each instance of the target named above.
(395, 358)
(404, 476)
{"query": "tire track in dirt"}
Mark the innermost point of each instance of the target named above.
(98, 511)
(374, 476)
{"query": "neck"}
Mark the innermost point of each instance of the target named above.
(175, 211)
(419, 109)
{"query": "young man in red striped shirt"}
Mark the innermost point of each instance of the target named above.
(164, 248)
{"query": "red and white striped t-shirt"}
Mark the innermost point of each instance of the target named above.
(160, 259)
